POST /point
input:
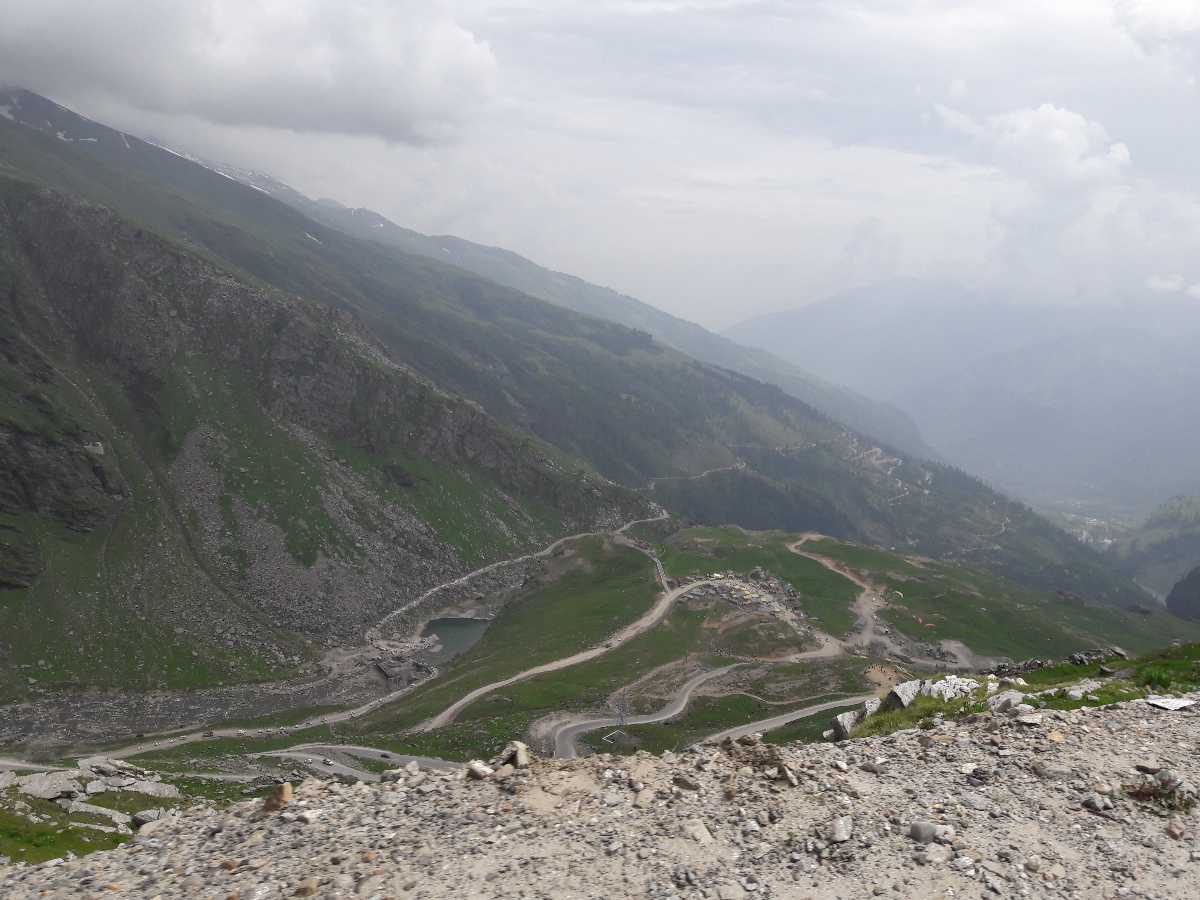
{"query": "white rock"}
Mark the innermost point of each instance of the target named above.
(1005, 700)
(844, 723)
(902, 695)
(48, 785)
(478, 769)
(1170, 703)
(840, 829)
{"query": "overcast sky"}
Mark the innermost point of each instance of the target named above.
(716, 158)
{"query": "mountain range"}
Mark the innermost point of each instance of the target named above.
(863, 414)
(1077, 408)
(237, 434)
(1164, 547)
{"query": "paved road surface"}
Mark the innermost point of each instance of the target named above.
(763, 725)
(567, 733)
(313, 756)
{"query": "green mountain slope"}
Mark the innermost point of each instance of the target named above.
(1184, 599)
(638, 411)
(202, 480)
(879, 420)
(1165, 547)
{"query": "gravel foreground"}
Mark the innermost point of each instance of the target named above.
(991, 807)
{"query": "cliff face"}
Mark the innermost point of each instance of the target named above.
(235, 468)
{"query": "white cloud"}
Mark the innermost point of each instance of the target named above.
(1169, 284)
(714, 157)
(1045, 143)
(400, 69)
(1161, 24)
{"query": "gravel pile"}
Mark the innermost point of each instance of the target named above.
(1085, 804)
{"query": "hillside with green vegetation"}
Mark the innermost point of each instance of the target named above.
(925, 600)
(1163, 548)
(825, 596)
(929, 600)
(631, 408)
(205, 481)
(879, 420)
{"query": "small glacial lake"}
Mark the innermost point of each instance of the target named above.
(455, 637)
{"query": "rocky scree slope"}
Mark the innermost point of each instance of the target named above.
(628, 404)
(191, 467)
(1089, 803)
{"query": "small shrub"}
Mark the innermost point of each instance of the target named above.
(1164, 790)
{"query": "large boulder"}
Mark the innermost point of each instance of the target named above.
(49, 785)
(952, 687)
(154, 789)
(1005, 700)
(902, 695)
(844, 723)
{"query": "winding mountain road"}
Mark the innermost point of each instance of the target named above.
(566, 734)
(651, 618)
(866, 607)
(491, 567)
(177, 737)
(770, 724)
(306, 753)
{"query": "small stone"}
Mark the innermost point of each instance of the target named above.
(840, 829)
(696, 830)
(922, 832)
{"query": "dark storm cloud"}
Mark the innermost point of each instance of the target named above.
(403, 70)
